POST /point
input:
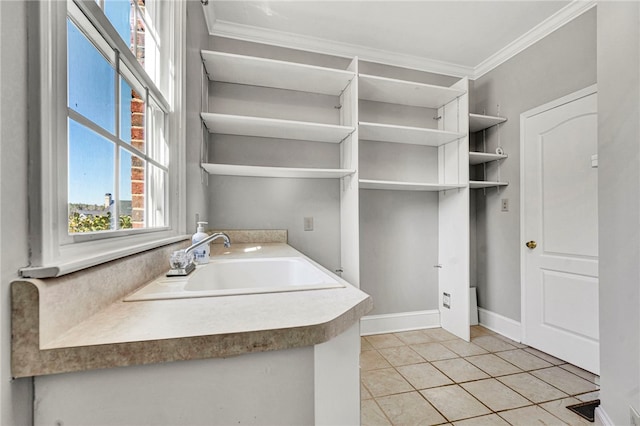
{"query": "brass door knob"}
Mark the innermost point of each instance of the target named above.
(531, 244)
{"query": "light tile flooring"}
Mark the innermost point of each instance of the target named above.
(431, 377)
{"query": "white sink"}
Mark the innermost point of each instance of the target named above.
(226, 277)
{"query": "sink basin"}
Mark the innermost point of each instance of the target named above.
(227, 277)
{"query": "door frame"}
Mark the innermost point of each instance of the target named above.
(590, 90)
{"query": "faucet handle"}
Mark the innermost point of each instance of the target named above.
(180, 259)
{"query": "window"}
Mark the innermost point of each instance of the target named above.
(117, 152)
(110, 142)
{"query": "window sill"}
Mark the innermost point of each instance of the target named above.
(57, 269)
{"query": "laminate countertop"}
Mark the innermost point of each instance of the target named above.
(144, 332)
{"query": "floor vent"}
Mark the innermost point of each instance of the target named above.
(585, 409)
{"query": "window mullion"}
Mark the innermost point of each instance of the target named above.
(148, 140)
(116, 188)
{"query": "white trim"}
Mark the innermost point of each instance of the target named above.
(77, 263)
(328, 47)
(603, 417)
(589, 90)
(52, 251)
(523, 122)
(405, 321)
(335, 48)
(500, 324)
(537, 33)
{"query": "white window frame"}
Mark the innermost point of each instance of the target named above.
(51, 251)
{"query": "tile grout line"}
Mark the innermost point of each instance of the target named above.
(407, 345)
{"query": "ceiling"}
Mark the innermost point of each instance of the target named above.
(463, 38)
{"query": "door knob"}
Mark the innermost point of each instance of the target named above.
(531, 244)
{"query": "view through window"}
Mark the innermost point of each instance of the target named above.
(117, 149)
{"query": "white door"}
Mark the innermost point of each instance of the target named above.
(560, 229)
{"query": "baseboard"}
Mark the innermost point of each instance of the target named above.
(500, 324)
(405, 321)
(603, 417)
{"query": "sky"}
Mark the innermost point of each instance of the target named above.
(91, 92)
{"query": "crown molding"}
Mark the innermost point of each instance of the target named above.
(318, 45)
(334, 48)
(537, 33)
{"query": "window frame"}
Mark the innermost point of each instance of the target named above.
(52, 251)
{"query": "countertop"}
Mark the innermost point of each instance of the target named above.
(141, 332)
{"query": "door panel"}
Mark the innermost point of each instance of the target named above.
(567, 183)
(559, 287)
(559, 190)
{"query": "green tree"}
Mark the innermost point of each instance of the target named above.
(93, 223)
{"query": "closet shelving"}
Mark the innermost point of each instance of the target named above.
(413, 94)
(282, 172)
(402, 92)
(391, 164)
(254, 71)
(274, 128)
(437, 164)
(476, 158)
(406, 186)
(479, 123)
(270, 73)
(406, 134)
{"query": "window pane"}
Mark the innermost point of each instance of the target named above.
(141, 37)
(91, 180)
(90, 80)
(119, 13)
(132, 111)
(158, 148)
(157, 202)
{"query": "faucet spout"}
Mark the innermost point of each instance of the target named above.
(209, 239)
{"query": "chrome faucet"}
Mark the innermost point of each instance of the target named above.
(182, 260)
(210, 238)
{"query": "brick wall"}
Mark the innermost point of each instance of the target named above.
(137, 133)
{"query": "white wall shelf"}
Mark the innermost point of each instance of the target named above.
(406, 186)
(275, 172)
(479, 184)
(274, 128)
(405, 134)
(389, 90)
(484, 157)
(478, 122)
(250, 70)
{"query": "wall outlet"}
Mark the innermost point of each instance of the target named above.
(504, 205)
(634, 417)
(446, 300)
(308, 223)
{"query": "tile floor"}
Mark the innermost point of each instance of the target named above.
(431, 377)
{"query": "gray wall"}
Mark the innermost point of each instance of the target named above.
(197, 191)
(619, 207)
(15, 396)
(561, 63)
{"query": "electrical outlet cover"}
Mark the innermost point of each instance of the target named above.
(446, 300)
